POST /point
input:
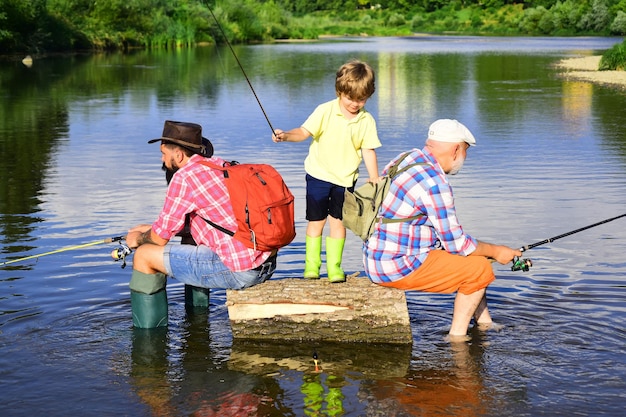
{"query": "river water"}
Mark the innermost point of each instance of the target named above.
(75, 169)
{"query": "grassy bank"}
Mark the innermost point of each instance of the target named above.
(614, 58)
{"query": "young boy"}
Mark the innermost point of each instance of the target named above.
(343, 133)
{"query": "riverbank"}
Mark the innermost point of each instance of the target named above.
(586, 69)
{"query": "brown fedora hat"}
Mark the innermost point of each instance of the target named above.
(187, 135)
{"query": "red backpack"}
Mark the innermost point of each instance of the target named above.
(263, 205)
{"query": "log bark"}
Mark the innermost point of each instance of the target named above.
(308, 310)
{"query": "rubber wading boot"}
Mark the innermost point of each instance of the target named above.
(334, 253)
(148, 300)
(313, 257)
(196, 297)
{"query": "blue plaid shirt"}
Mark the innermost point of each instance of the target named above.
(396, 249)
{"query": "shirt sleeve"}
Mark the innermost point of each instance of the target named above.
(313, 123)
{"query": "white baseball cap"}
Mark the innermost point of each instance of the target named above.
(449, 130)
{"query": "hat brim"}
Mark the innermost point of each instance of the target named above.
(206, 149)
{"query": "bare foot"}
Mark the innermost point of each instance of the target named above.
(483, 327)
(457, 338)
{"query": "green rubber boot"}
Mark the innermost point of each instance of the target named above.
(196, 297)
(148, 300)
(334, 254)
(313, 257)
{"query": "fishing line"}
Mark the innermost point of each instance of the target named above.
(84, 245)
(240, 66)
(525, 264)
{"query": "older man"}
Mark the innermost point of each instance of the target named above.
(433, 253)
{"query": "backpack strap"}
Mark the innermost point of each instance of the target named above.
(224, 170)
(393, 173)
(393, 170)
(218, 227)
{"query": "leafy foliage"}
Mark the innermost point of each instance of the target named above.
(618, 27)
(42, 25)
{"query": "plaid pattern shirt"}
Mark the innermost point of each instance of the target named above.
(200, 191)
(396, 249)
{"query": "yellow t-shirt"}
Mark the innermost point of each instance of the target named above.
(335, 151)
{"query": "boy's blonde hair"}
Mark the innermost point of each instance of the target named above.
(356, 80)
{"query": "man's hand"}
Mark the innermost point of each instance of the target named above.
(500, 253)
(139, 235)
(504, 254)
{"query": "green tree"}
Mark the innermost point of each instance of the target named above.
(618, 27)
(531, 19)
(596, 19)
(27, 26)
(432, 5)
(618, 6)
(566, 14)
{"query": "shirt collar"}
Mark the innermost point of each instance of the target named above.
(431, 158)
(337, 111)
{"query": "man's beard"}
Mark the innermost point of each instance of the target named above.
(456, 166)
(169, 172)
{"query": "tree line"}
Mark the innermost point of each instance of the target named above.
(39, 26)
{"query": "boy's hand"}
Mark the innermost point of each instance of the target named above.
(278, 136)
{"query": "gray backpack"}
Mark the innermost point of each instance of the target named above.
(360, 209)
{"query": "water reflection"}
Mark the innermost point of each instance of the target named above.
(328, 375)
(177, 374)
(452, 388)
(149, 370)
(178, 377)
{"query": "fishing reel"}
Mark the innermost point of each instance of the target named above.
(121, 253)
(520, 264)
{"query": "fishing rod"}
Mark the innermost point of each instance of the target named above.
(84, 245)
(525, 264)
(240, 66)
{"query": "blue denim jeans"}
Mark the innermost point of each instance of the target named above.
(201, 267)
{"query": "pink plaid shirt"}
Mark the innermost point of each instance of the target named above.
(200, 191)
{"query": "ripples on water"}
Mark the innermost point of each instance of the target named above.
(549, 161)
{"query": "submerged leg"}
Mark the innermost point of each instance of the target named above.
(465, 306)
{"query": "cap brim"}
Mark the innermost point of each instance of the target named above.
(451, 141)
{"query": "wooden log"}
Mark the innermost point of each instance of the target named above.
(305, 310)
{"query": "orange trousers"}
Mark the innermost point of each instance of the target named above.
(443, 272)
